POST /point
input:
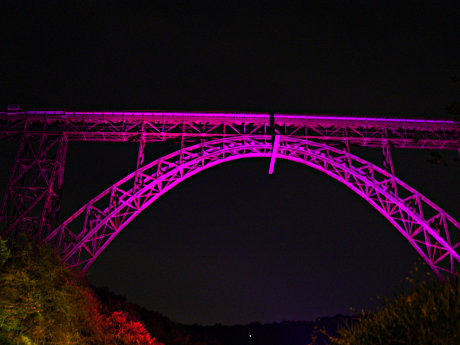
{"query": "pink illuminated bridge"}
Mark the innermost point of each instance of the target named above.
(322, 142)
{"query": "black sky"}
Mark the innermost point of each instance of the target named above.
(234, 245)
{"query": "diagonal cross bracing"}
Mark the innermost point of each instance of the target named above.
(32, 199)
(160, 126)
(323, 142)
(431, 240)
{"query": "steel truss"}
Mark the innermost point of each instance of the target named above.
(32, 199)
(31, 202)
(192, 126)
(433, 233)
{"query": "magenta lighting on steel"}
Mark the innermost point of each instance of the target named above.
(32, 199)
(276, 144)
(160, 126)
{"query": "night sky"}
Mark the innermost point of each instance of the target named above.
(233, 244)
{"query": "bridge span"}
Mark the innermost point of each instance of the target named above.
(323, 142)
(159, 126)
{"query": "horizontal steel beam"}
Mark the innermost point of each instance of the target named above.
(193, 126)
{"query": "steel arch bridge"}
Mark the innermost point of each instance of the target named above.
(32, 199)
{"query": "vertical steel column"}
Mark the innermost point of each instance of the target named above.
(347, 148)
(140, 152)
(52, 205)
(388, 164)
(349, 161)
(140, 156)
(182, 140)
(275, 145)
(31, 202)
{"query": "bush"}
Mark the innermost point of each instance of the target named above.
(43, 302)
(429, 314)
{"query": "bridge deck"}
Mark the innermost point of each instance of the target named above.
(160, 126)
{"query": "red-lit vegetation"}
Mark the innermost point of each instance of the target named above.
(130, 332)
(164, 329)
(42, 302)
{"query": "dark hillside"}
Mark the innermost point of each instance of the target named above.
(283, 333)
(165, 330)
(171, 333)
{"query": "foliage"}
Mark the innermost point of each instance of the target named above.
(42, 302)
(429, 314)
(128, 332)
(162, 327)
(5, 252)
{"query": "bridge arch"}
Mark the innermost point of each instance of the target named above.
(433, 233)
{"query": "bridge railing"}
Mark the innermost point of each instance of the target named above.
(160, 126)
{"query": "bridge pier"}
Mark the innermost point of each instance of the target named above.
(32, 199)
(140, 155)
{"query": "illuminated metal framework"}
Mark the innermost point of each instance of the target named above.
(32, 198)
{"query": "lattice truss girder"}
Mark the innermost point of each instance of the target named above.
(112, 127)
(32, 200)
(431, 231)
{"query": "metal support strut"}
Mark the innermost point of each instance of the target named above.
(140, 160)
(276, 144)
(388, 165)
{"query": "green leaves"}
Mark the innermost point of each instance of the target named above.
(5, 252)
(429, 314)
(43, 302)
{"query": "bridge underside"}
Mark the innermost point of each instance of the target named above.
(432, 232)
